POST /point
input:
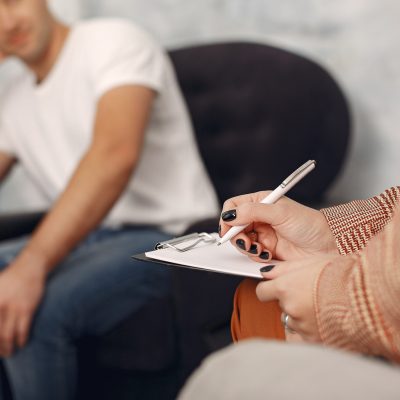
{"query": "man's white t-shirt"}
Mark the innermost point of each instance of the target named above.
(49, 126)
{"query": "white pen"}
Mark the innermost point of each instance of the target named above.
(274, 196)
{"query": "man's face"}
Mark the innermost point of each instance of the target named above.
(25, 29)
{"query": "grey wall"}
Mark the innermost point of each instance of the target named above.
(356, 40)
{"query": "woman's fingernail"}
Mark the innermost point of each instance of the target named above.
(229, 215)
(264, 255)
(241, 244)
(253, 249)
(267, 268)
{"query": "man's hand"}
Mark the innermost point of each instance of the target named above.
(21, 289)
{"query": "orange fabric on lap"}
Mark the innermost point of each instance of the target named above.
(253, 318)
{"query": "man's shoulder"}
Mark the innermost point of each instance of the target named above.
(108, 28)
(105, 39)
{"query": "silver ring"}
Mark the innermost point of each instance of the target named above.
(285, 322)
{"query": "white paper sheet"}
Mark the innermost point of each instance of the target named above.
(208, 256)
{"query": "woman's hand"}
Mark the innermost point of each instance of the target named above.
(285, 230)
(292, 283)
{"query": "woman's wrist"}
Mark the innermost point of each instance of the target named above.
(328, 239)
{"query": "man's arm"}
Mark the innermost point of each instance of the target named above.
(99, 179)
(97, 183)
(6, 164)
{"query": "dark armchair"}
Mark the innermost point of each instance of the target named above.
(258, 113)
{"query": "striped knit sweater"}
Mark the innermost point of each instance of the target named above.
(357, 298)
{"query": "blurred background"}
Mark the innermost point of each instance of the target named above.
(357, 42)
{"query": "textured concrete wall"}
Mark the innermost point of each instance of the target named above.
(357, 41)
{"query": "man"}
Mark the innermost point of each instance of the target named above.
(98, 122)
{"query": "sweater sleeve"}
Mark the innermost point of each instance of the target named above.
(357, 297)
(354, 224)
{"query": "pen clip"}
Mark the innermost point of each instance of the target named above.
(298, 171)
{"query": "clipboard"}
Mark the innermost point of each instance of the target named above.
(199, 251)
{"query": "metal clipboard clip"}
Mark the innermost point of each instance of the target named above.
(175, 242)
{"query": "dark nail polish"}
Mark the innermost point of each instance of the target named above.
(253, 249)
(219, 230)
(264, 255)
(229, 215)
(267, 268)
(241, 244)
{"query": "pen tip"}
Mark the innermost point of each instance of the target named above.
(219, 243)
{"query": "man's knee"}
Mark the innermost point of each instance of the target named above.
(52, 320)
